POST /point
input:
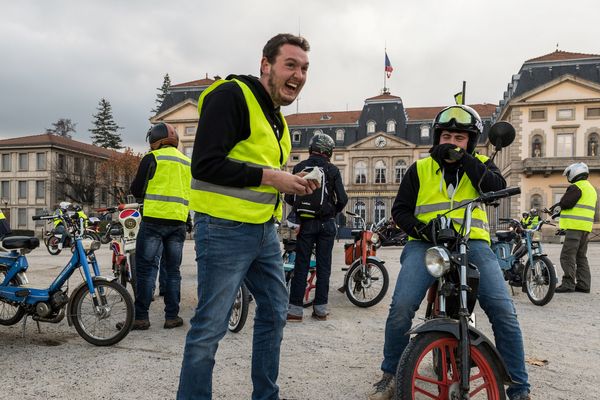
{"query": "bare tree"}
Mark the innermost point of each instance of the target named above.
(62, 127)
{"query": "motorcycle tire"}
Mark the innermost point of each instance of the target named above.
(239, 310)
(108, 323)
(539, 280)
(52, 245)
(9, 313)
(416, 379)
(366, 291)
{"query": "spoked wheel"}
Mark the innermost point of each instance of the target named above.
(10, 313)
(366, 284)
(52, 245)
(540, 280)
(309, 292)
(239, 309)
(430, 369)
(108, 323)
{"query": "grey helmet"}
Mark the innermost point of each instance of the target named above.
(321, 143)
(576, 172)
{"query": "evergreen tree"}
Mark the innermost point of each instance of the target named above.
(162, 93)
(63, 127)
(105, 132)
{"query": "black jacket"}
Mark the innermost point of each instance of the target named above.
(403, 210)
(336, 197)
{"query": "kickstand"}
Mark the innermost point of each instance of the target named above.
(24, 323)
(38, 325)
(512, 289)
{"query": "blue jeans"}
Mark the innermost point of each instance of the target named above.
(151, 240)
(321, 233)
(227, 253)
(411, 287)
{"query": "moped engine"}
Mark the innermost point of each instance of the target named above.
(57, 301)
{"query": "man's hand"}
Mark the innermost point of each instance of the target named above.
(446, 151)
(288, 183)
(423, 232)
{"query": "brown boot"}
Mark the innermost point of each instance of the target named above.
(138, 325)
(173, 323)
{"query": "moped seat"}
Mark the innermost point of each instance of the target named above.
(505, 236)
(20, 242)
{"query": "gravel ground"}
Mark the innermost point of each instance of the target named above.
(336, 359)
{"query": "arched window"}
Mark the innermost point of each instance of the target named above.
(360, 172)
(424, 131)
(296, 136)
(361, 210)
(371, 127)
(317, 132)
(592, 146)
(400, 171)
(339, 135)
(379, 211)
(391, 126)
(537, 202)
(379, 172)
(536, 146)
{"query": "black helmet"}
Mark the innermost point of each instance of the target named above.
(162, 134)
(458, 118)
(77, 207)
(321, 143)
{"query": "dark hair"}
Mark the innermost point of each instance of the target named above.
(271, 49)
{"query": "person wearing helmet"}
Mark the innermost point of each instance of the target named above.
(453, 173)
(80, 214)
(162, 182)
(241, 145)
(530, 219)
(577, 211)
(59, 223)
(4, 226)
(316, 214)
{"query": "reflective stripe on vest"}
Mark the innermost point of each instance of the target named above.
(168, 192)
(581, 217)
(261, 149)
(433, 199)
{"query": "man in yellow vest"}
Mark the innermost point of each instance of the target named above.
(577, 211)
(163, 181)
(241, 145)
(4, 225)
(453, 173)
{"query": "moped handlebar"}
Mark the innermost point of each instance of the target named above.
(490, 197)
(40, 217)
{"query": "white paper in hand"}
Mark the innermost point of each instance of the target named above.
(315, 175)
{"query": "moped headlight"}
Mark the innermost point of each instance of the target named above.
(437, 261)
(537, 236)
(375, 238)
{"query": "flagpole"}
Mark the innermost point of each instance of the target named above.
(464, 93)
(384, 71)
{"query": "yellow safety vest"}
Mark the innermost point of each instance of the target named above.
(433, 198)
(58, 221)
(262, 149)
(168, 192)
(581, 217)
(2, 215)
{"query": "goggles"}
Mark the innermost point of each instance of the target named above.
(461, 117)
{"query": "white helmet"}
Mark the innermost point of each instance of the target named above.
(64, 205)
(577, 171)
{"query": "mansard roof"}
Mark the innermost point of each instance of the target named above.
(560, 55)
(206, 82)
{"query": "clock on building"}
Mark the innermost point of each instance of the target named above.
(380, 141)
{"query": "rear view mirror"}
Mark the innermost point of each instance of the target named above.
(501, 134)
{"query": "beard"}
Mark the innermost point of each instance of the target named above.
(278, 100)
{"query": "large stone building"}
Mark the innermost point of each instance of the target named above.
(554, 104)
(35, 172)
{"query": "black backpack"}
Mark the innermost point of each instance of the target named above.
(312, 205)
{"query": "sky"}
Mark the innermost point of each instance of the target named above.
(59, 58)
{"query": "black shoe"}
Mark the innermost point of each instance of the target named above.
(563, 289)
(173, 323)
(138, 325)
(581, 290)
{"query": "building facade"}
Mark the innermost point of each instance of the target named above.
(35, 172)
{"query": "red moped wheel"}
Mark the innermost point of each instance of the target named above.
(430, 369)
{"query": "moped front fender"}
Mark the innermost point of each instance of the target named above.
(84, 283)
(359, 260)
(451, 326)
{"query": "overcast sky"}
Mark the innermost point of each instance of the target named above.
(59, 58)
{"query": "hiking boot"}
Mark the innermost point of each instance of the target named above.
(173, 323)
(320, 317)
(385, 388)
(581, 290)
(138, 325)
(521, 396)
(563, 289)
(294, 318)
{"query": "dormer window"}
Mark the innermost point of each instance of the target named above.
(339, 135)
(424, 131)
(370, 127)
(391, 126)
(296, 136)
(318, 132)
(325, 117)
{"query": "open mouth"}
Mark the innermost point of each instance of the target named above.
(292, 86)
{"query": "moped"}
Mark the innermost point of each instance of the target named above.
(366, 281)
(94, 307)
(289, 259)
(523, 261)
(448, 358)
